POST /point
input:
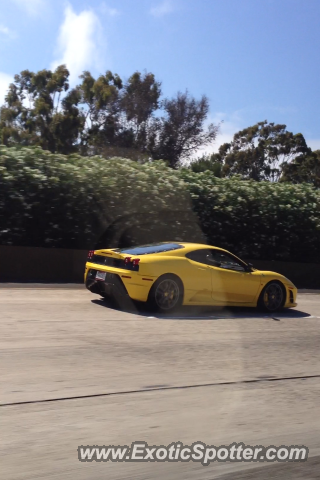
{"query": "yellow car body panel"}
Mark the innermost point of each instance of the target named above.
(203, 284)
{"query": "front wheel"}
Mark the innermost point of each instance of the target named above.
(272, 297)
(166, 295)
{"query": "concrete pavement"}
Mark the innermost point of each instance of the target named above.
(96, 375)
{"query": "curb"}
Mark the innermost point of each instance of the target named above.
(78, 286)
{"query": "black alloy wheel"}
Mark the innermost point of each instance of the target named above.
(166, 294)
(272, 297)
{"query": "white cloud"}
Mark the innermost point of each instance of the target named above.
(32, 7)
(105, 10)
(5, 30)
(162, 9)
(229, 125)
(78, 42)
(5, 79)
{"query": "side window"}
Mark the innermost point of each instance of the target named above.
(204, 256)
(227, 261)
(216, 258)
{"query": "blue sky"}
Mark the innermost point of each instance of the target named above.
(254, 59)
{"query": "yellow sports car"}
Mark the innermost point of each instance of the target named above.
(167, 275)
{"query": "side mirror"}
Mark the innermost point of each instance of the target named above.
(249, 267)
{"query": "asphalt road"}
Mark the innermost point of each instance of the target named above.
(76, 372)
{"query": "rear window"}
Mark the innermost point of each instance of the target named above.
(147, 249)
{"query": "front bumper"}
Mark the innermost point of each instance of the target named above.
(291, 297)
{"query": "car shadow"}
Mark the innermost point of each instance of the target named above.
(201, 313)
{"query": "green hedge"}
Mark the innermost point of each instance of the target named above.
(71, 201)
(258, 219)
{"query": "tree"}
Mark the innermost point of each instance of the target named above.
(140, 99)
(304, 168)
(117, 115)
(207, 162)
(181, 131)
(103, 116)
(36, 114)
(261, 151)
(101, 109)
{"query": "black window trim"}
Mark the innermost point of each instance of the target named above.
(243, 264)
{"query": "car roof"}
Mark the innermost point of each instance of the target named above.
(189, 247)
(192, 246)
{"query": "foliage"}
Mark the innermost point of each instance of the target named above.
(70, 201)
(304, 168)
(103, 116)
(207, 162)
(36, 113)
(109, 117)
(180, 133)
(261, 151)
(257, 219)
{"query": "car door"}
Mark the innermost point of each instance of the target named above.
(231, 282)
(197, 278)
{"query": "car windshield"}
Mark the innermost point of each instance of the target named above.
(148, 249)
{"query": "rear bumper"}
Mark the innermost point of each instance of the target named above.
(136, 285)
(111, 287)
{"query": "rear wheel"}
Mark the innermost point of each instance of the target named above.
(166, 295)
(272, 297)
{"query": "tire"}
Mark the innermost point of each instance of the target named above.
(166, 294)
(272, 297)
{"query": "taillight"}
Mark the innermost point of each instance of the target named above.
(130, 264)
(90, 254)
